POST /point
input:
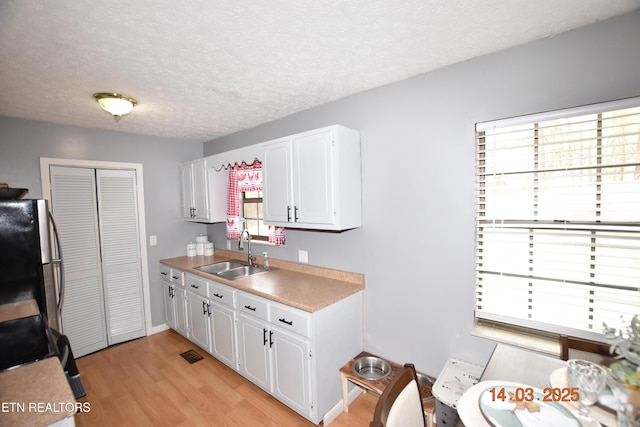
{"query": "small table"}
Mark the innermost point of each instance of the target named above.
(376, 386)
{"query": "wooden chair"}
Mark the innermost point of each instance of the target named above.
(400, 404)
(584, 349)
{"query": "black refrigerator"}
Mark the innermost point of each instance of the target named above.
(26, 259)
(30, 262)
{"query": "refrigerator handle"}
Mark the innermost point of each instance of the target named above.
(60, 266)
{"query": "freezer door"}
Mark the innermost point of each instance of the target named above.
(20, 253)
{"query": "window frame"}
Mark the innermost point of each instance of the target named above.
(497, 323)
(259, 201)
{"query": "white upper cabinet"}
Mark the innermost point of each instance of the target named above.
(312, 180)
(204, 192)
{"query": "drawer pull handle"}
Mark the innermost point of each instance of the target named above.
(204, 308)
(248, 307)
(283, 320)
(195, 286)
(264, 336)
(164, 273)
(175, 277)
(270, 340)
(218, 296)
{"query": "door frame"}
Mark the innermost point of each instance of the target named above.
(45, 179)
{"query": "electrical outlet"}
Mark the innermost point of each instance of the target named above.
(229, 244)
(153, 240)
(303, 256)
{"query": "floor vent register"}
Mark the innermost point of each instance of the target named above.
(191, 356)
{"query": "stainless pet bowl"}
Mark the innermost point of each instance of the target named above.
(424, 386)
(371, 368)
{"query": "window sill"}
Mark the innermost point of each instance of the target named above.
(547, 345)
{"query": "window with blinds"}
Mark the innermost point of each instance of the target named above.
(558, 219)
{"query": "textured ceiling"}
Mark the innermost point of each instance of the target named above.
(204, 69)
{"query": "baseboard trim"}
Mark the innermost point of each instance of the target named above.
(158, 328)
(334, 412)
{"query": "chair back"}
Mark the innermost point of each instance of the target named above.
(400, 404)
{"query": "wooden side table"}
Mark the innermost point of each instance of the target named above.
(376, 386)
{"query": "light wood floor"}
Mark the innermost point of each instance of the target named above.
(147, 383)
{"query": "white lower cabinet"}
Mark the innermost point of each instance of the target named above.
(174, 299)
(292, 354)
(295, 355)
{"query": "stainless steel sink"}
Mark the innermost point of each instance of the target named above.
(231, 270)
(220, 266)
(238, 272)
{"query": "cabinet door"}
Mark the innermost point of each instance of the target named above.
(187, 190)
(180, 297)
(168, 305)
(200, 190)
(276, 170)
(312, 178)
(198, 318)
(291, 370)
(223, 334)
(253, 343)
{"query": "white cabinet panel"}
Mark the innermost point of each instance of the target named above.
(254, 346)
(169, 308)
(180, 301)
(292, 370)
(223, 334)
(198, 318)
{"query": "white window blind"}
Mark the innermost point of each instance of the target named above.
(558, 219)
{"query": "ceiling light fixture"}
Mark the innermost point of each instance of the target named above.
(115, 104)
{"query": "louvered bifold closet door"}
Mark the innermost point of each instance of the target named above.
(121, 266)
(73, 197)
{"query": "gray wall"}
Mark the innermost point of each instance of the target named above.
(416, 246)
(23, 142)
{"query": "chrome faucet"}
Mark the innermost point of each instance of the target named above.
(250, 258)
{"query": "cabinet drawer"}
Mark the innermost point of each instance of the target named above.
(165, 272)
(291, 319)
(177, 277)
(197, 285)
(254, 306)
(221, 294)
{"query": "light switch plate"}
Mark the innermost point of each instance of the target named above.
(153, 240)
(303, 256)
